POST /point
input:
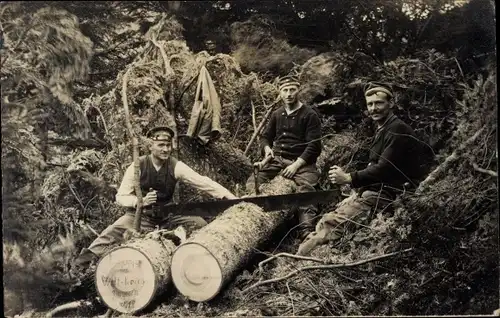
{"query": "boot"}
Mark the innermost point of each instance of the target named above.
(310, 243)
(306, 223)
(314, 240)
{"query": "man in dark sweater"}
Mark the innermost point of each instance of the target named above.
(393, 167)
(293, 140)
(159, 174)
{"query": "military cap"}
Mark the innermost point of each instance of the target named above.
(288, 80)
(160, 133)
(376, 87)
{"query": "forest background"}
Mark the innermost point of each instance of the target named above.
(65, 146)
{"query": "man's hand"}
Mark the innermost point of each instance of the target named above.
(268, 152)
(290, 170)
(150, 198)
(338, 176)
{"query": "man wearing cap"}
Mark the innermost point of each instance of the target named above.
(293, 141)
(159, 173)
(393, 167)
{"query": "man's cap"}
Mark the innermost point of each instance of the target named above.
(376, 87)
(288, 80)
(160, 133)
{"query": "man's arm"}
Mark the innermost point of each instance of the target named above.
(269, 134)
(387, 163)
(313, 139)
(189, 176)
(125, 195)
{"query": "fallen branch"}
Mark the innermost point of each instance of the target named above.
(328, 266)
(304, 258)
(257, 131)
(72, 305)
(254, 121)
(90, 228)
(490, 172)
(75, 195)
(135, 154)
(449, 160)
(75, 143)
(291, 298)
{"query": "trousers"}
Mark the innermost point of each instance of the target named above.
(348, 212)
(113, 234)
(306, 178)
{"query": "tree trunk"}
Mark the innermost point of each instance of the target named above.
(130, 276)
(205, 263)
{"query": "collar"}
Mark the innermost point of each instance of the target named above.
(288, 112)
(387, 121)
(157, 168)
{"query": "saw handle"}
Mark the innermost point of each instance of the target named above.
(259, 165)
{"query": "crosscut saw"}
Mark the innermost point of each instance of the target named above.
(267, 203)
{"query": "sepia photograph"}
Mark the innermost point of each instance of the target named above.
(249, 158)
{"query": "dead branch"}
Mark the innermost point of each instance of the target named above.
(257, 131)
(75, 143)
(489, 172)
(87, 226)
(328, 266)
(305, 258)
(254, 121)
(291, 298)
(168, 72)
(75, 195)
(108, 313)
(135, 154)
(114, 147)
(447, 162)
(72, 305)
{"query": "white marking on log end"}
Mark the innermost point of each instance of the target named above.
(196, 273)
(125, 280)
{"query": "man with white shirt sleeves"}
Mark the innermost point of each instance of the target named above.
(159, 174)
(293, 139)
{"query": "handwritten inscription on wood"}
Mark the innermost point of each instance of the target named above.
(125, 280)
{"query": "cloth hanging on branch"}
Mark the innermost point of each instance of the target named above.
(205, 116)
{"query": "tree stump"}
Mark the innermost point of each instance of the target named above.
(207, 261)
(130, 276)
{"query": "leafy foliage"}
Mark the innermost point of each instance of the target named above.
(257, 49)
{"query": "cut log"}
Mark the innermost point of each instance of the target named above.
(210, 258)
(130, 276)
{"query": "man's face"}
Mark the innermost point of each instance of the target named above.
(289, 94)
(378, 106)
(161, 149)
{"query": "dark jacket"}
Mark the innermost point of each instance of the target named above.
(394, 159)
(295, 135)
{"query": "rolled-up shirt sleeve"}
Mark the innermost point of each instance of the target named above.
(187, 175)
(125, 195)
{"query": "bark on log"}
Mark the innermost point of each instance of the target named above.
(207, 261)
(130, 276)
